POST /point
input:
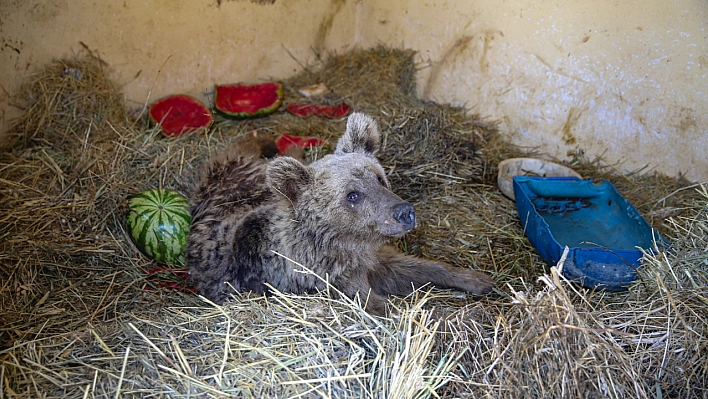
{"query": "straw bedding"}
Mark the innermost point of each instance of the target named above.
(81, 317)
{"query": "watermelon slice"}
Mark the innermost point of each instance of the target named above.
(305, 110)
(180, 113)
(241, 101)
(287, 141)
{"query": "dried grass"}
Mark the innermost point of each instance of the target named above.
(79, 318)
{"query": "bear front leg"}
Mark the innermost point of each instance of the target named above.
(376, 304)
(358, 284)
(400, 274)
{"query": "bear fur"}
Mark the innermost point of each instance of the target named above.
(258, 222)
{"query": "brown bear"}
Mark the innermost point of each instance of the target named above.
(258, 222)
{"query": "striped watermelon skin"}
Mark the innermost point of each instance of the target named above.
(158, 223)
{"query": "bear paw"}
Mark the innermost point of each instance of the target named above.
(477, 283)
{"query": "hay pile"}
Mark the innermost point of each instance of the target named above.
(80, 318)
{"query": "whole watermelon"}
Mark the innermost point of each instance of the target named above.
(158, 223)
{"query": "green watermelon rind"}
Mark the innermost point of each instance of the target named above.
(247, 115)
(185, 98)
(160, 234)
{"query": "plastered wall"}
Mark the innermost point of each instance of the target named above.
(165, 46)
(628, 80)
(625, 79)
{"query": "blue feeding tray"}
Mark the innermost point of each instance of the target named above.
(602, 230)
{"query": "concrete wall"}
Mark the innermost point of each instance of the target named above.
(162, 46)
(625, 79)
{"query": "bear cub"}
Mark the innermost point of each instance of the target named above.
(254, 222)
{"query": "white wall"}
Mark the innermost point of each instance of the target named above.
(625, 79)
(165, 46)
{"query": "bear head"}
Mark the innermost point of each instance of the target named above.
(345, 193)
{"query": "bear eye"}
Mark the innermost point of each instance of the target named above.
(381, 180)
(353, 197)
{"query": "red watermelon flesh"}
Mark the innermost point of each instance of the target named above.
(167, 277)
(287, 141)
(180, 113)
(248, 101)
(305, 110)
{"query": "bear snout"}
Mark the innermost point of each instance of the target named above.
(405, 214)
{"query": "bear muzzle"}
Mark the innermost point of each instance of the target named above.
(404, 214)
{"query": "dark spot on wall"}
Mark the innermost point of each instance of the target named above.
(45, 11)
(703, 61)
(483, 40)
(11, 45)
(570, 122)
(487, 38)
(457, 47)
(262, 2)
(683, 119)
(326, 26)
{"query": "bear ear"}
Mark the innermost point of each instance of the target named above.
(362, 136)
(288, 177)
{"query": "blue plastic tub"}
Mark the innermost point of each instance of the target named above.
(602, 230)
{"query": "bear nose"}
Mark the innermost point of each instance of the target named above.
(405, 214)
